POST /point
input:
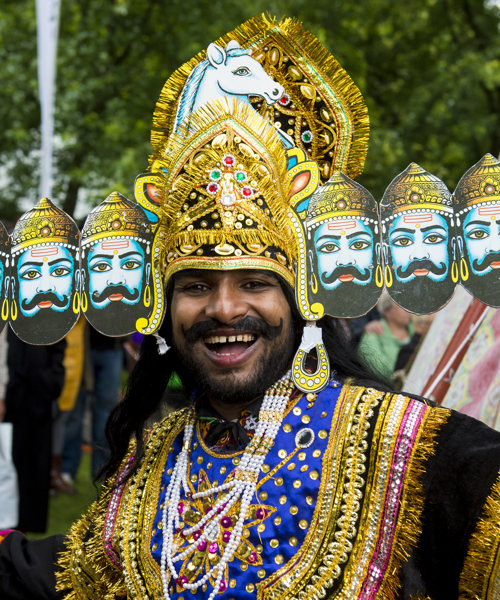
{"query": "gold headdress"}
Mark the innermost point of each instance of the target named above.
(225, 206)
(479, 186)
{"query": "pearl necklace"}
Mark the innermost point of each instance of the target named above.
(241, 487)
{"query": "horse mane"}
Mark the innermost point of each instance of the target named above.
(189, 92)
(190, 89)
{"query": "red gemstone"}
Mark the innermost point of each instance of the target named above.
(212, 188)
(246, 191)
(228, 161)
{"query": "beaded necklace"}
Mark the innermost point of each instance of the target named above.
(241, 487)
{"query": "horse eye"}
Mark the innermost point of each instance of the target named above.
(242, 71)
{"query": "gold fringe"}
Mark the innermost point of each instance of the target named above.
(480, 578)
(409, 525)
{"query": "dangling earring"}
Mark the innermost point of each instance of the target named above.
(454, 271)
(388, 276)
(13, 311)
(147, 296)
(84, 302)
(379, 276)
(5, 309)
(464, 270)
(311, 382)
(76, 303)
(314, 284)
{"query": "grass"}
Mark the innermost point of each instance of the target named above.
(64, 510)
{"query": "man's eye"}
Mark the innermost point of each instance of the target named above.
(328, 248)
(477, 234)
(434, 238)
(100, 267)
(404, 241)
(131, 264)
(360, 245)
(32, 274)
(255, 285)
(60, 272)
(242, 71)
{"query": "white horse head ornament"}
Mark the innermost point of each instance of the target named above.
(226, 72)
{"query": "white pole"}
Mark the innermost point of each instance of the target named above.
(47, 32)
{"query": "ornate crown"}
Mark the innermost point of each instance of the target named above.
(479, 186)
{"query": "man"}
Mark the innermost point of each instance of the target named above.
(4, 275)
(416, 214)
(256, 490)
(344, 247)
(116, 266)
(477, 204)
(44, 284)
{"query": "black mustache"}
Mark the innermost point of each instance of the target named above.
(115, 289)
(247, 324)
(486, 262)
(421, 264)
(351, 270)
(43, 297)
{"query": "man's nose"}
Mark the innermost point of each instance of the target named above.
(226, 304)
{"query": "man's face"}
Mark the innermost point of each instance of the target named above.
(233, 331)
(45, 278)
(481, 228)
(344, 253)
(115, 272)
(419, 246)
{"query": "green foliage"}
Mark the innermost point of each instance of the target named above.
(429, 70)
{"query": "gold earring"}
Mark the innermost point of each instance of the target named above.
(464, 270)
(84, 302)
(314, 283)
(147, 296)
(76, 303)
(454, 271)
(305, 381)
(379, 276)
(13, 311)
(388, 276)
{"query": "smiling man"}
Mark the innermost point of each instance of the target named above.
(257, 489)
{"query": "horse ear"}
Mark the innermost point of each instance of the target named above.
(216, 55)
(232, 45)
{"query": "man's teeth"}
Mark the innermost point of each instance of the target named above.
(224, 339)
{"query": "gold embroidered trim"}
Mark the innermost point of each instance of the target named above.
(480, 577)
(409, 526)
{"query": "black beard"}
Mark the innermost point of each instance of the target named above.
(485, 287)
(46, 326)
(422, 295)
(229, 389)
(117, 318)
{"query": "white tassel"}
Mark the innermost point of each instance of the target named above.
(161, 343)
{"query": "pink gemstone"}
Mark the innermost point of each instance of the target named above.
(180, 507)
(182, 580)
(223, 586)
(260, 513)
(213, 548)
(202, 545)
(226, 521)
(226, 536)
(197, 535)
(253, 557)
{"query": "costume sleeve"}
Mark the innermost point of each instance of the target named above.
(27, 567)
(461, 520)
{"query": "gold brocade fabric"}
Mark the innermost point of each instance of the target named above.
(375, 448)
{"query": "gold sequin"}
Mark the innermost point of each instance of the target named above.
(209, 465)
(306, 419)
(261, 573)
(261, 527)
(236, 460)
(283, 499)
(279, 559)
(297, 483)
(317, 453)
(304, 468)
(250, 587)
(291, 466)
(309, 500)
(170, 471)
(303, 524)
(265, 468)
(314, 474)
(155, 546)
(294, 510)
(322, 434)
(311, 397)
(277, 521)
(282, 453)
(199, 460)
(274, 543)
(259, 549)
(301, 456)
(223, 469)
(232, 583)
(263, 496)
(323, 414)
(297, 411)
(293, 541)
(244, 566)
(246, 533)
(287, 428)
(278, 481)
(194, 477)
